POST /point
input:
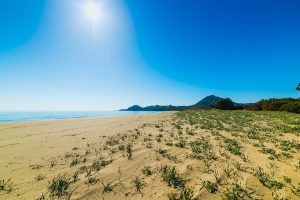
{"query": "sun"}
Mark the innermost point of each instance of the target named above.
(92, 11)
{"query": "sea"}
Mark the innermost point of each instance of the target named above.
(38, 116)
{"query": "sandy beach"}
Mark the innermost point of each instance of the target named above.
(28, 145)
(215, 155)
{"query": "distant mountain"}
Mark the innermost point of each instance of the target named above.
(134, 108)
(155, 108)
(207, 102)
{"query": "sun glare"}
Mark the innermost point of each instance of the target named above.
(92, 11)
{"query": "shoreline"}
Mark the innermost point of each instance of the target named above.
(79, 117)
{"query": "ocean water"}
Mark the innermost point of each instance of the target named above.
(33, 116)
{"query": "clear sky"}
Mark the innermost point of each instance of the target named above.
(110, 54)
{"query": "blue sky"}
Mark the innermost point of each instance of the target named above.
(53, 57)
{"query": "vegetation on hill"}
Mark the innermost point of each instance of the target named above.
(225, 104)
(208, 101)
(287, 104)
(284, 104)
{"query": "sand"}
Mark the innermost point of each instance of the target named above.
(34, 153)
(24, 145)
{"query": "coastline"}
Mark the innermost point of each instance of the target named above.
(11, 117)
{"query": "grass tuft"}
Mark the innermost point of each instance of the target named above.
(59, 188)
(138, 184)
(171, 176)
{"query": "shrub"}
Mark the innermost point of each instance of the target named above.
(138, 184)
(122, 147)
(285, 104)
(99, 164)
(225, 104)
(91, 181)
(169, 144)
(106, 188)
(237, 192)
(112, 141)
(287, 179)
(291, 107)
(209, 186)
(5, 185)
(129, 151)
(233, 146)
(75, 176)
(158, 139)
(171, 176)
(59, 187)
(181, 143)
(74, 162)
(147, 171)
(265, 179)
